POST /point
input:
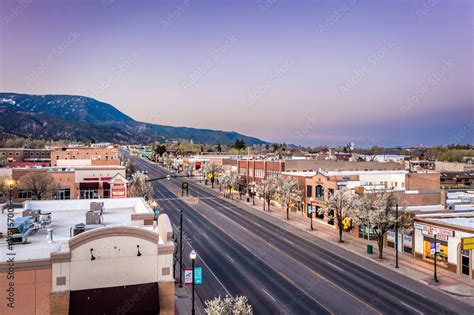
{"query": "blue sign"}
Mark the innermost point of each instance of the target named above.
(197, 275)
(310, 209)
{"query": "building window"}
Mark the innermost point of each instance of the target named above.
(64, 193)
(319, 192)
(309, 191)
(24, 194)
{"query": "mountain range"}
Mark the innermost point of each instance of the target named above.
(80, 118)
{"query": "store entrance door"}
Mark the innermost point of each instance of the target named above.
(465, 263)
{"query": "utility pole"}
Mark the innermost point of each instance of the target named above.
(396, 236)
(181, 248)
(435, 274)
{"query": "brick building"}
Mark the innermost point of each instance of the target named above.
(86, 182)
(85, 156)
(17, 155)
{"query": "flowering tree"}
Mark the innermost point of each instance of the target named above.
(287, 191)
(212, 171)
(377, 210)
(268, 190)
(228, 306)
(341, 203)
(139, 187)
(230, 181)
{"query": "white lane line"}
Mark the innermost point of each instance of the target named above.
(334, 266)
(230, 258)
(269, 295)
(189, 220)
(289, 241)
(205, 235)
(214, 275)
(410, 307)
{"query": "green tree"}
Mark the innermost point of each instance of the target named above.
(239, 144)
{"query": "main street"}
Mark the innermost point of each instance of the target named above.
(282, 269)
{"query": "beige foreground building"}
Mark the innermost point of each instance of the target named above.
(87, 257)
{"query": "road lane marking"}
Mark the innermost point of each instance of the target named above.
(189, 220)
(205, 235)
(265, 291)
(333, 265)
(289, 241)
(230, 258)
(411, 307)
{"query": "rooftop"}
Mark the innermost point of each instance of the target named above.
(64, 215)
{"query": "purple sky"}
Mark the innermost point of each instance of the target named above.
(306, 72)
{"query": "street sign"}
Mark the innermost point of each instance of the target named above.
(310, 209)
(467, 243)
(197, 275)
(188, 276)
(432, 248)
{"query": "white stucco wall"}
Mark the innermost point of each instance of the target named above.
(116, 264)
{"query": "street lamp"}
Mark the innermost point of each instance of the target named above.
(435, 234)
(10, 184)
(181, 248)
(396, 236)
(311, 200)
(192, 255)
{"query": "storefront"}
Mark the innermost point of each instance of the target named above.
(405, 242)
(453, 245)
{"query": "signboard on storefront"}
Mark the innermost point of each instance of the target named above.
(429, 230)
(467, 243)
(407, 240)
(390, 236)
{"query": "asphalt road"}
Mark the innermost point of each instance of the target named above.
(283, 270)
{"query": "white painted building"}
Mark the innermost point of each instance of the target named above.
(454, 238)
(89, 262)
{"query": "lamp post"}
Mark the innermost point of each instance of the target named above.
(254, 191)
(181, 248)
(10, 183)
(311, 200)
(435, 234)
(396, 236)
(192, 255)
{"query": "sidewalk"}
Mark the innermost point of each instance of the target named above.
(459, 286)
(182, 301)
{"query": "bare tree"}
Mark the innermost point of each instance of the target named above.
(341, 203)
(377, 210)
(287, 191)
(139, 187)
(41, 185)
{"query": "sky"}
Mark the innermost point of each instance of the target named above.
(387, 73)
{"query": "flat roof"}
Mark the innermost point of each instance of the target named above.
(64, 215)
